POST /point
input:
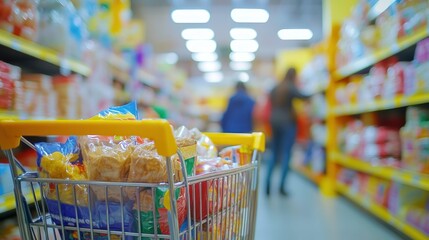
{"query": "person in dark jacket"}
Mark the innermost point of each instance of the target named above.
(283, 124)
(238, 116)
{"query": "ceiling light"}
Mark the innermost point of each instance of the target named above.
(201, 45)
(295, 34)
(243, 33)
(204, 57)
(209, 66)
(197, 34)
(240, 66)
(190, 16)
(249, 15)
(243, 77)
(241, 56)
(244, 45)
(213, 77)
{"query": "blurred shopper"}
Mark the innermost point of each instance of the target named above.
(283, 124)
(238, 116)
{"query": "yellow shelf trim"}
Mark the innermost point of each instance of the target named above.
(43, 53)
(381, 213)
(406, 177)
(378, 105)
(379, 55)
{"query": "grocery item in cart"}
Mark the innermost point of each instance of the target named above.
(237, 154)
(156, 202)
(210, 196)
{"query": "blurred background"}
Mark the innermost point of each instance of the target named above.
(362, 130)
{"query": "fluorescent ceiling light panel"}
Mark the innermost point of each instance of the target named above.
(295, 34)
(197, 34)
(190, 16)
(213, 77)
(243, 77)
(240, 66)
(249, 15)
(243, 33)
(241, 56)
(209, 66)
(206, 46)
(244, 45)
(204, 57)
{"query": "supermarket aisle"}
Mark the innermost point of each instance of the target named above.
(305, 214)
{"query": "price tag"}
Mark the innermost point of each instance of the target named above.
(395, 47)
(16, 45)
(65, 67)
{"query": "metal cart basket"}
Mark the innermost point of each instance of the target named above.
(216, 205)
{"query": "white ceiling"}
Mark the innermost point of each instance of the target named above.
(165, 36)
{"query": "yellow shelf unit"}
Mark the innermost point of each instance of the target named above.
(380, 54)
(378, 105)
(7, 201)
(306, 172)
(381, 213)
(406, 177)
(43, 53)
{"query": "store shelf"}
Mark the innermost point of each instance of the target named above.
(381, 213)
(307, 173)
(7, 201)
(25, 53)
(379, 7)
(379, 55)
(378, 105)
(406, 177)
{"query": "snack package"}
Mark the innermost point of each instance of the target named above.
(125, 112)
(205, 147)
(107, 159)
(240, 155)
(156, 203)
(149, 167)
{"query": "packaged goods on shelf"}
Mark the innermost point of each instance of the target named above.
(9, 75)
(60, 19)
(360, 37)
(415, 140)
(379, 145)
(20, 17)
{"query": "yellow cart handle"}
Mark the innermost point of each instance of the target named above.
(254, 140)
(158, 130)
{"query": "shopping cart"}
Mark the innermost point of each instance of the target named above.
(217, 205)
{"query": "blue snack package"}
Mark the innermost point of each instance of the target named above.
(125, 112)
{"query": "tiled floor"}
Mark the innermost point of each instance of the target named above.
(306, 214)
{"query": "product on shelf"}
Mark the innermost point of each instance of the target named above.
(415, 140)
(69, 96)
(379, 145)
(9, 75)
(360, 37)
(20, 17)
(60, 19)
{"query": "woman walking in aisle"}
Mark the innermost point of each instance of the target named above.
(283, 124)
